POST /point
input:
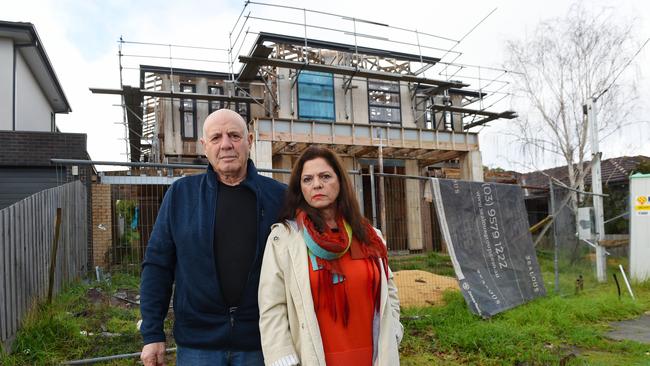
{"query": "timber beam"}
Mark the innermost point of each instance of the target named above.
(349, 71)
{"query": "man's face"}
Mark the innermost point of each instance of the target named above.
(226, 144)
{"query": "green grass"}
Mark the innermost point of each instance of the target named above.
(61, 331)
(431, 262)
(558, 328)
(539, 333)
(563, 327)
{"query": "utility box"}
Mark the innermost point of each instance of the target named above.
(640, 227)
(585, 223)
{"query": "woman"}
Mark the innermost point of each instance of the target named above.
(326, 294)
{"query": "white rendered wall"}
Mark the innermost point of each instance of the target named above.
(33, 111)
(284, 95)
(408, 119)
(471, 166)
(340, 100)
(359, 103)
(640, 227)
(6, 83)
(262, 156)
(413, 214)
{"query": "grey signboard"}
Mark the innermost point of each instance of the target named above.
(485, 227)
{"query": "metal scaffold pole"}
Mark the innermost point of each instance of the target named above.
(123, 101)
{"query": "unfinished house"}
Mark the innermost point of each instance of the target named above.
(374, 107)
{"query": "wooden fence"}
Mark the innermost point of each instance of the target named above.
(26, 240)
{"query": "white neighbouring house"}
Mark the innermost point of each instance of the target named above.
(30, 98)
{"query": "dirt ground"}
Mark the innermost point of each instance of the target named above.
(421, 288)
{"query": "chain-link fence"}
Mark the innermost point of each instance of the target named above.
(125, 206)
(568, 248)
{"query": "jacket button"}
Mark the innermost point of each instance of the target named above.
(275, 238)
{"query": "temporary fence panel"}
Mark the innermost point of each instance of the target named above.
(123, 225)
(573, 258)
(27, 231)
(418, 256)
(125, 206)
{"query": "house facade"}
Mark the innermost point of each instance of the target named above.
(372, 106)
(30, 98)
(615, 180)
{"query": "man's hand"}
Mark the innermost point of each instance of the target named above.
(153, 354)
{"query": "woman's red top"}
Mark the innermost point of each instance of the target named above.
(351, 344)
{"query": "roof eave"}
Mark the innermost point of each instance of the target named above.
(39, 63)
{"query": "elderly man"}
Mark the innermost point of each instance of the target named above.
(209, 240)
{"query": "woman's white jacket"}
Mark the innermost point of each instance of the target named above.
(288, 324)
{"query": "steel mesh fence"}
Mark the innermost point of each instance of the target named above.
(125, 206)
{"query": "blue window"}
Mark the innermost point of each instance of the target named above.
(316, 95)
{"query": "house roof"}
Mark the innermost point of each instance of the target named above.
(29, 45)
(614, 170)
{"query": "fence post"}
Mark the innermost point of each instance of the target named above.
(55, 245)
(373, 198)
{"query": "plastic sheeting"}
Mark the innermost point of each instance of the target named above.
(485, 227)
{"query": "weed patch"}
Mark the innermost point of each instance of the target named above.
(81, 322)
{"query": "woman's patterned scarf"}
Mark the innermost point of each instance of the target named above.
(325, 249)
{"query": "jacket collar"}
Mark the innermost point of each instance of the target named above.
(251, 174)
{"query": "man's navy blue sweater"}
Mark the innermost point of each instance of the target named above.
(181, 251)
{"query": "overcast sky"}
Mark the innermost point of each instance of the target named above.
(80, 38)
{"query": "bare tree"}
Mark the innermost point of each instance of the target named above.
(566, 61)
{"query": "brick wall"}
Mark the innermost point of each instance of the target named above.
(101, 224)
(25, 148)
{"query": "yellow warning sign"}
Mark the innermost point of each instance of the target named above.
(642, 205)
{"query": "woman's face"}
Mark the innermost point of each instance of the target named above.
(319, 184)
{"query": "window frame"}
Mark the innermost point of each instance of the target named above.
(329, 86)
(243, 92)
(183, 112)
(376, 105)
(218, 103)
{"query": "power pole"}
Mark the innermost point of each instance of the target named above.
(597, 189)
(596, 184)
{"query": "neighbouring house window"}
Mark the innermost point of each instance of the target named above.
(384, 102)
(215, 104)
(188, 113)
(316, 95)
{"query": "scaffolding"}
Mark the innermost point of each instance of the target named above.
(444, 94)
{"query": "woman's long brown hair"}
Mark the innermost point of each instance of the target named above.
(346, 202)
